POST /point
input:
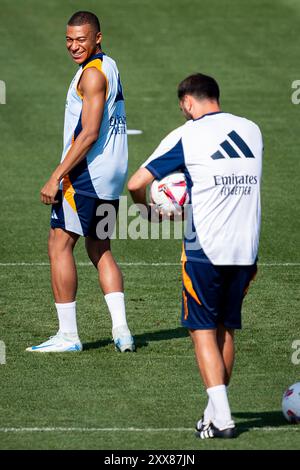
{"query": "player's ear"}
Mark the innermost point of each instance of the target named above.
(189, 102)
(99, 38)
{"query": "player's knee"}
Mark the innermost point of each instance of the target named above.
(50, 250)
(94, 257)
(50, 246)
(54, 250)
(96, 248)
(59, 245)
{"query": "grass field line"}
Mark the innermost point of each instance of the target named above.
(132, 429)
(134, 264)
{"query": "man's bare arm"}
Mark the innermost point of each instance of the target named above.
(93, 88)
(138, 183)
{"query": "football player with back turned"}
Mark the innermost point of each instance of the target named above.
(221, 156)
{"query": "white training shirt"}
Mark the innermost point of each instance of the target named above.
(102, 173)
(221, 156)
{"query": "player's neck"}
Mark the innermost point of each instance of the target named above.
(205, 108)
(98, 50)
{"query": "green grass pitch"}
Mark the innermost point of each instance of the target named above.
(251, 47)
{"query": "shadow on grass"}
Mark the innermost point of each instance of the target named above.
(250, 420)
(142, 340)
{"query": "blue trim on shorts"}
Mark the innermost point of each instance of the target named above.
(220, 290)
(86, 211)
(57, 213)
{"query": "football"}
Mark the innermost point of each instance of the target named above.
(291, 404)
(170, 194)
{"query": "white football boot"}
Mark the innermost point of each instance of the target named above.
(123, 340)
(58, 343)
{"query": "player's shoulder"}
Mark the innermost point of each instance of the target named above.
(243, 121)
(92, 81)
(169, 142)
(174, 135)
(92, 78)
(99, 61)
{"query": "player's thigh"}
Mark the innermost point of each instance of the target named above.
(104, 220)
(201, 291)
(101, 229)
(60, 240)
(72, 212)
(236, 282)
(96, 248)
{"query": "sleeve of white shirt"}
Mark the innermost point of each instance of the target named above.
(168, 156)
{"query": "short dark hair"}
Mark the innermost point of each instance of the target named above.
(85, 17)
(200, 86)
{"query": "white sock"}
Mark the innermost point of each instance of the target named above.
(209, 413)
(67, 318)
(222, 414)
(116, 306)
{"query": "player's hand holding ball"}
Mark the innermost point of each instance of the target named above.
(169, 196)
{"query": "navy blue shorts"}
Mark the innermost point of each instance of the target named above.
(214, 294)
(84, 215)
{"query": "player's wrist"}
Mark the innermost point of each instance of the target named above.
(57, 176)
